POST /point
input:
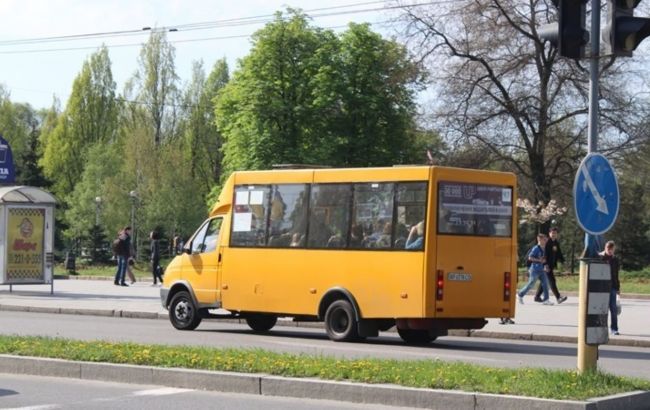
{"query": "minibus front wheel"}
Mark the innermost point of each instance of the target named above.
(183, 313)
(340, 322)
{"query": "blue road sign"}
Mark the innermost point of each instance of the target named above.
(595, 194)
(7, 170)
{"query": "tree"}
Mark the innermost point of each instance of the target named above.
(156, 82)
(303, 95)
(376, 106)
(202, 137)
(90, 117)
(102, 165)
(503, 90)
(267, 112)
(631, 231)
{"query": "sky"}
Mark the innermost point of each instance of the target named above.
(34, 72)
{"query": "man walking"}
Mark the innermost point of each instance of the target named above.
(536, 270)
(553, 254)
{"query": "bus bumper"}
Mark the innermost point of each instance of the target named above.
(440, 324)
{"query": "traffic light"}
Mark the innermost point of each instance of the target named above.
(623, 31)
(568, 34)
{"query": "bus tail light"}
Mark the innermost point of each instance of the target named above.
(506, 286)
(440, 285)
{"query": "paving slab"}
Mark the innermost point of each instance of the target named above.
(533, 321)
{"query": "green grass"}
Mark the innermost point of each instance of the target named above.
(637, 282)
(141, 270)
(532, 382)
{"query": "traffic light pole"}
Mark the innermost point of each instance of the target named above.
(593, 72)
(587, 354)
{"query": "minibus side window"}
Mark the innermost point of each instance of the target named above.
(329, 212)
(250, 215)
(212, 235)
(206, 238)
(197, 242)
(410, 210)
(288, 216)
(372, 216)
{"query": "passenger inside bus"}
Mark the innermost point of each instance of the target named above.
(356, 236)
(384, 238)
(416, 237)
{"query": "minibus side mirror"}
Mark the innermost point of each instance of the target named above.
(187, 250)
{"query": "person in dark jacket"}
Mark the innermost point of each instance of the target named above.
(553, 256)
(155, 257)
(122, 252)
(608, 255)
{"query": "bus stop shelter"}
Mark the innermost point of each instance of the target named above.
(26, 236)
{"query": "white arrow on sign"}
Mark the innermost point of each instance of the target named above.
(601, 204)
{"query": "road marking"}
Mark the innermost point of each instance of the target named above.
(41, 407)
(160, 392)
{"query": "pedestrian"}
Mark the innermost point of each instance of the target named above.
(130, 265)
(608, 255)
(537, 270)
(155, 257)
(553, 255)
(121, 248)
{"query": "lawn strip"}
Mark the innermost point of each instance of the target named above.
(436, 374)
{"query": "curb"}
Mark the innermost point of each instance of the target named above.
(266, 385)
(535, 337)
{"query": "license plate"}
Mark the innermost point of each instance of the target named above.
(460, 277)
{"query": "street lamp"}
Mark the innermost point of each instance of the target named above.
(98, 204)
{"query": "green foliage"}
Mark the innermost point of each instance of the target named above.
(631, 231)
(98, 246)
(304, 95)
(102, 161)
(90, 117)
(374, 95)
(432, 374)
(202, 140)
(157, 86)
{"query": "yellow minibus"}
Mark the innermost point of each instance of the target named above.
(424, 248)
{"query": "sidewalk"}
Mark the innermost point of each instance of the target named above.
(533, 321)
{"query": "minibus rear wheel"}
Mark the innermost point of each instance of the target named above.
(416, 336)
(340, 322)
(261, 323)
(183, 313)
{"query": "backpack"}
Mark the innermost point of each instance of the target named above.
(118, 246)
(528, 261)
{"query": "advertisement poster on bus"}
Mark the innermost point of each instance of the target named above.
(475, 209)
(25, 231)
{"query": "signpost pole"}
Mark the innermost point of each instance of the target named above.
(588, 355)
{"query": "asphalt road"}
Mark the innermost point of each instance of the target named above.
(626, 361)
(48, 393)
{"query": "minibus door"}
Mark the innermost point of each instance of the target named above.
(203, 265)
